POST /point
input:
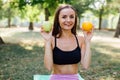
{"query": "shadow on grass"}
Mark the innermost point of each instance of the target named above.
(105, 65)
(27, 35)
(18, 63)
(23, 37)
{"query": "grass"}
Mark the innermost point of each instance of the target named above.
(22, 56)
(18, 63)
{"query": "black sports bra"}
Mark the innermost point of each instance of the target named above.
(61, 57)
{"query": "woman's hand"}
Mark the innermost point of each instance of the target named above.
(88, 35)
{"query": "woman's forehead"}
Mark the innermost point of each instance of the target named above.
(67, 11)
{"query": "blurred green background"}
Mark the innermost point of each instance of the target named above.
(22, 47)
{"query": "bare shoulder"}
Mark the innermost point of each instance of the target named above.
(80, 40)
(53, 41)
(52, 37)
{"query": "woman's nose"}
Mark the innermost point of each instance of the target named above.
(68, 19)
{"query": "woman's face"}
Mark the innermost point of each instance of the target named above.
(67, 18)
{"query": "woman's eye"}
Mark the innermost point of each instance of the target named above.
(71, 16)
(64, 16)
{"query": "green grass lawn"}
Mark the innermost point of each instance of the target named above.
(22, 56)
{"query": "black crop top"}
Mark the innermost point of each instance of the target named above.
(61, 57)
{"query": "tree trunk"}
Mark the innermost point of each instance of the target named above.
(1, 41)
(9, 17)
(117, 32)
(9, 21)
(47, 14)
(100, 17)
(31, 26)
(100, 21)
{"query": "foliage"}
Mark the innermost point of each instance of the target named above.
(51, 5)
(42, 5)
(9, 9)
(31, 13)
(106, 6)
(1, 3)
(114, 5)
(100, 7)
(82, 5)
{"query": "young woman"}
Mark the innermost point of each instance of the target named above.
(64, 49)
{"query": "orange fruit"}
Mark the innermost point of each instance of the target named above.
(87, 26)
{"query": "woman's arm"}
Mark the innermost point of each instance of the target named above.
(85, 49)
(48, 59)
(86, 54)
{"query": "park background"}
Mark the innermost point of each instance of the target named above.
(22, 47)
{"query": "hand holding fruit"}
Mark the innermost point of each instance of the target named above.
(47, 26)
(87, 28)
(46, 30)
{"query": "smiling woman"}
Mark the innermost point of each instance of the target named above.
(64, 49)
(67, 18)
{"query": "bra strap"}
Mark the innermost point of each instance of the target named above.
(77, 40)
(75, 37)
(55, 41)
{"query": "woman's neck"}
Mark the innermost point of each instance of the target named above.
(67, 34)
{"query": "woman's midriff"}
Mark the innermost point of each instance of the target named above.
(65, 69)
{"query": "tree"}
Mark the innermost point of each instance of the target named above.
(100, 8)
(9, 10)
(115, 5)
(30, 9)
(117, 32)
(31, 13)
(1, 3)
(1, 13)
(49, 7)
